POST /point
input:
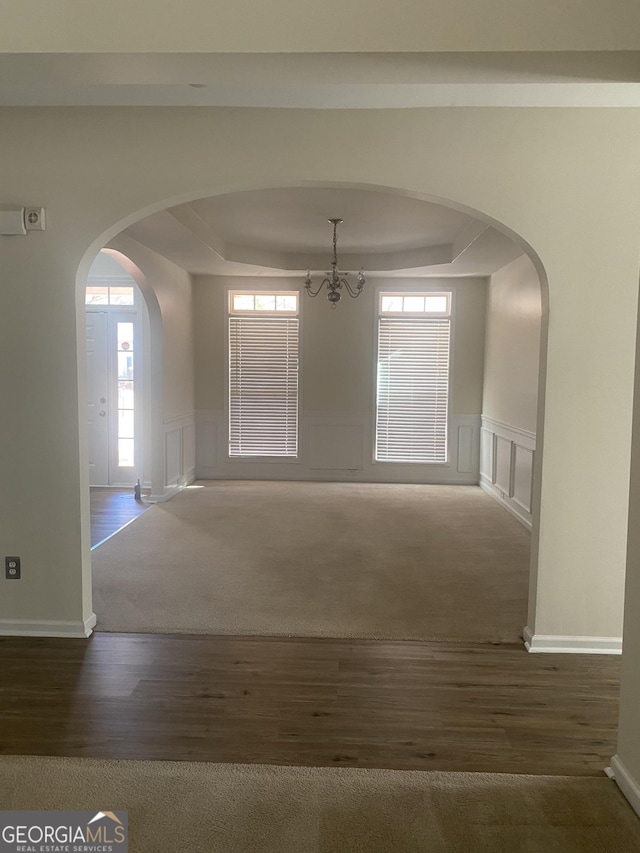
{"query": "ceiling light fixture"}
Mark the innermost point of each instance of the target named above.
(335, 280)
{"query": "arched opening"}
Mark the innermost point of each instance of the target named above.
(504, 456)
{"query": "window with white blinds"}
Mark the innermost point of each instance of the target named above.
(263, 384)
(413, 380)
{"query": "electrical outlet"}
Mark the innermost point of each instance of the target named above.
(12, 568)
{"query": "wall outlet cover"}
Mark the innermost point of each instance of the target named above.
(12, 568)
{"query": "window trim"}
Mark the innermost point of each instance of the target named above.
(110, 281)
(448, 294)
(240, 312)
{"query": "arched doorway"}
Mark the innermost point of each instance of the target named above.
(464, 431)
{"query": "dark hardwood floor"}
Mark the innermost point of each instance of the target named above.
(321, 702)
(111, 509)
(357, 703)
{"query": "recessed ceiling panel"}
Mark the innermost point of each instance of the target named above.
(295, 220)
(285, 230)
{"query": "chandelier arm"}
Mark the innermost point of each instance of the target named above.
(354, 292)
(307, 287)
(308, 282)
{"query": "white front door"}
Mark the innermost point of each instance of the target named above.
(113, 398)
(98, 397)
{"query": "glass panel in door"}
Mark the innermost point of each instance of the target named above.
(126, 395)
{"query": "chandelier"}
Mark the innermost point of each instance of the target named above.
(335, 280)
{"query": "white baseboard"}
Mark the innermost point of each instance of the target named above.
(627, 784)
(511, 506)
(561, 644)
(47, 628)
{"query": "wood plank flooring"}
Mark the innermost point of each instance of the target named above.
(111, 509)
(321, 702)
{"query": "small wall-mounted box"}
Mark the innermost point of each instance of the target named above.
(34, 218)
(12, 222)
(21, 220)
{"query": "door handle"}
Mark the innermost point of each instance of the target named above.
(102, 414)
(103, 399)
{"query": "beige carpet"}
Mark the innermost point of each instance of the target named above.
(236, 808)
(318, 559)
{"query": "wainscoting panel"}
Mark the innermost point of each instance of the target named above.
(336, 447)
(486, 454)
(179, 454)
(503, 464)
(467, 454)
(506, 466)
(522, 476)
(172, 457)
(189, 451)
(335, 443)
(207, 422)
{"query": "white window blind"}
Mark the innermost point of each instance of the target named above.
(413, 389)
(263, 386)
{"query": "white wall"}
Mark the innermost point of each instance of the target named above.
(568, 164)
(510, 396)
(512, 348)
(338, 384)
(626, 762)
(105, 264)
(172, 288)
(305, 25)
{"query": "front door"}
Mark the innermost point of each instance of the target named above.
(98, 397)
(113, 415)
